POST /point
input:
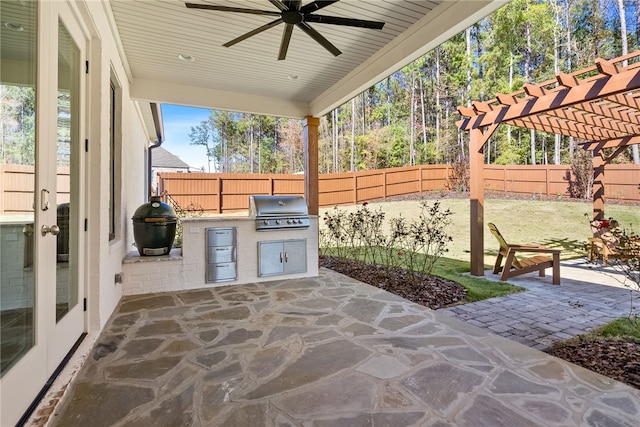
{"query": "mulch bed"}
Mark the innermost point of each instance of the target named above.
(432, 292)
(614, 358)
(617, 359)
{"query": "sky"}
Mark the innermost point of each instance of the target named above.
(177, 121)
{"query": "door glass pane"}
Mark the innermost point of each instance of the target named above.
(67, 150)
(17, 168)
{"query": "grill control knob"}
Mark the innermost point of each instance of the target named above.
(277, 222)
(265, 222)
(289, 221)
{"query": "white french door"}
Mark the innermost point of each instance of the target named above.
(42, 216)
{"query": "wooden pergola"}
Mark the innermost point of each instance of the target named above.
(599, 105)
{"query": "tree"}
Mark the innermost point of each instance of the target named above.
(17, 130)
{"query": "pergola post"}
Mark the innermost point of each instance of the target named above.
(476, 196)
(311, 188)
(598, 184)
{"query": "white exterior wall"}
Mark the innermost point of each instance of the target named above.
(105, 256)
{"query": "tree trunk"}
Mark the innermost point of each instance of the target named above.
(251, 149)
(532, 134)
(424, 122)
(556, 69)
(438, 105)
(352, 166)
(625, 50)
(412, 119)
(527, 78)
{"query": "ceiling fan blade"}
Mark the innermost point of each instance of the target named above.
(281, 6)
(284, 44)
(319, 38)
(336, 20)
(293, 4)
(231, 9)
(317, 5)
(253, 33)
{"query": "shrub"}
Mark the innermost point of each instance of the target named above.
(627, 262)
(458, 179)
(190, 211)
(581, 186)
(415, 245)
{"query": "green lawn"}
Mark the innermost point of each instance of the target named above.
(556, 224)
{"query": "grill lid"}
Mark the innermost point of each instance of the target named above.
(277, 206)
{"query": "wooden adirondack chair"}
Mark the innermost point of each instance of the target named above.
(515, 266)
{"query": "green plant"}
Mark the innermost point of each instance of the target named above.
(581, 185)
(414, 245)
(458, 179)
(353, 234)
(190, 211)
(425, 236)
(627, 262)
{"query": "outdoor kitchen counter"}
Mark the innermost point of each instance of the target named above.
(189, 272)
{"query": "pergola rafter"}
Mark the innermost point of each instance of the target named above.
(599, 105)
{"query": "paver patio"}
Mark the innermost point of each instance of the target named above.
(326, 351)
(589, 296)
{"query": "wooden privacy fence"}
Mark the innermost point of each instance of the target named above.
(17, 187)
(220, 193)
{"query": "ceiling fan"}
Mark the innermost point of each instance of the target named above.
(292, 13)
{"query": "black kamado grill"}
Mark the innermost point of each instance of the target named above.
(154, 227)
(279, 212)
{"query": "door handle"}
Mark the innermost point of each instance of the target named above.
(54, 230)
(44, 199)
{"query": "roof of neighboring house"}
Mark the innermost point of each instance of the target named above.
(161, 158)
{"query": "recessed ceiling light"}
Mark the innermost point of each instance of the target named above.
(293, 77)
(13, 26)
(186, 57)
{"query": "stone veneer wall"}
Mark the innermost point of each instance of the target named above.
(186, 269)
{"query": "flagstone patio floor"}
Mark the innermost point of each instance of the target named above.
(325, 351)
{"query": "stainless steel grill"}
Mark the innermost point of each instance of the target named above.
(279, 212)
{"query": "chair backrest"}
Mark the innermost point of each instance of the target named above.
(498, 236)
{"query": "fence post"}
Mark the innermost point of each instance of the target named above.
(546, 177)
(504, 178)
(355, 188)
(384, 183)
(219, 183)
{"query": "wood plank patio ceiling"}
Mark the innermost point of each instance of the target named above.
(599, 104)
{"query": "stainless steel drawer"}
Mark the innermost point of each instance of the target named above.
(218, 254)
(221, 236)
(221, 271)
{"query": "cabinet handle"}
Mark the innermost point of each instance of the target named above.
(280, 257)
(286, 257)
(222, 265)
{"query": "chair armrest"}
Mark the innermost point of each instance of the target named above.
(534, 249)
(526, 246)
